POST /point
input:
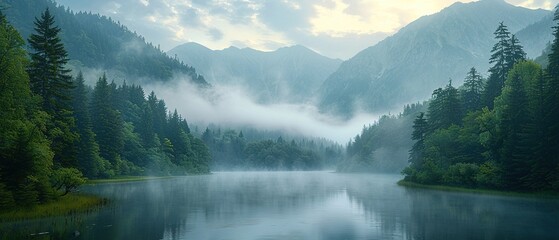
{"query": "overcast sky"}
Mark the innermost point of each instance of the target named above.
(334, 28)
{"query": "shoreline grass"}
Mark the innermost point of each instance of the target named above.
(64, 206)
(120, 179)
(408, 184)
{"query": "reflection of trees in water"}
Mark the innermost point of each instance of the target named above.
(447, 215)
(172, 206)
(382, 203)
(425, 214)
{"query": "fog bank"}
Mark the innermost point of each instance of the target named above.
(230, 106)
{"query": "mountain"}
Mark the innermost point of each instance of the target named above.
(97, 42)
(289, 74)
(537, 35)
(422, 56)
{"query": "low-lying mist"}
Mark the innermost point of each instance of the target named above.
(231, 106)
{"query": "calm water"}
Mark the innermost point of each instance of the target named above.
(297, 205)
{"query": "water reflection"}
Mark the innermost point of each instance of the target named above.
(298, 205)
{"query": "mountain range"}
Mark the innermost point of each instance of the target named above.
(405, 67)
(425, 54)
(290, 74)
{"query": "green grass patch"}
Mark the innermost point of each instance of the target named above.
(125, 179)
(64, 206)
(479, 190)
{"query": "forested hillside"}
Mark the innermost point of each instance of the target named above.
(497, 133)
(96, 42)
(55, 129)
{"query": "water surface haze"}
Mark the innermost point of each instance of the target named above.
(299, 205)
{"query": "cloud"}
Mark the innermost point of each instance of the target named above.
(190, 17)
(286, 15)
(535, 4)
(215, 34)
(229, 106)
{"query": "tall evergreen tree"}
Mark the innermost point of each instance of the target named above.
(107, 122)
(89, 161)
(498, 72)
(50, 79)
(444, 108)
(146, 129)
(514, 53)
(25, 156)
(473, 89)
(180, 140)
(420, 129)
(511, 108)
(533, 135)
(552, 106)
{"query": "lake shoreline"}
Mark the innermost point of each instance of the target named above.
(409, 184)
(122, 179)
(64, 206)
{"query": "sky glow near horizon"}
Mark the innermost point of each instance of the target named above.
(322, 25)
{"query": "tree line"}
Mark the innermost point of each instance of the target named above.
(383, 145)
(55, 129)
(232, 150)
(501, 132)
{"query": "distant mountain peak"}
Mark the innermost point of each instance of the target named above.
(195, 45)
(296, 48)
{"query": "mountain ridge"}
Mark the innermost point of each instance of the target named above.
(288, 74)
(422, 56)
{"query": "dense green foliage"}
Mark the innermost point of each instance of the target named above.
(25, 153)
(511, 142)
(97, 42)
(50, 80)
(55, 129)
(137, 135)
(232, 150)
(382, 146)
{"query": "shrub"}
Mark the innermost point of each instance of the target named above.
(489, 175)
(463, 174)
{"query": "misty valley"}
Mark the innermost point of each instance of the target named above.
(125, 120)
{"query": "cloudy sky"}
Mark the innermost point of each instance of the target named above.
(269, 24)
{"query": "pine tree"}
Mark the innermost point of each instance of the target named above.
(50, 79)
(146, 129)
(473, 89)
(444, 108)
(511, 109)
(25, 156)
(107, 122)
(498, 72)
(89, 161)
(420, 129)
(532, 137)
(514, 53)
(180, 140)
(552, 107)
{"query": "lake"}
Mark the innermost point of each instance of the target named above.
(296, 205)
